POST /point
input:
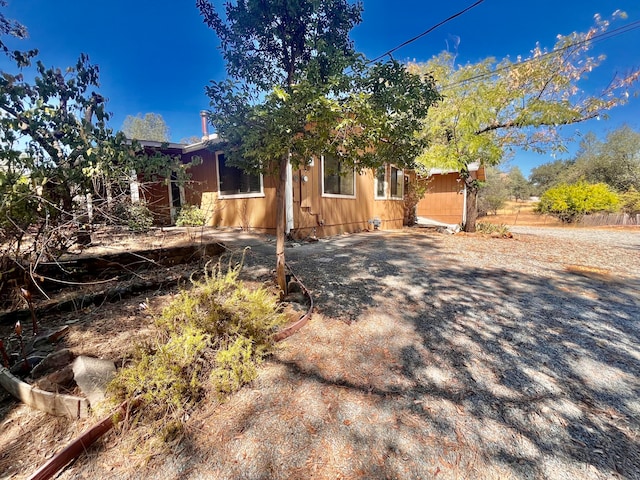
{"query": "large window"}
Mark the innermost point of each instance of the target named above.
(235, 182)
(337, 179)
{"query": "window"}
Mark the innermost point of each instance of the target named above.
(233, 181)
(381, 183)
(337, 179)
(397, 183)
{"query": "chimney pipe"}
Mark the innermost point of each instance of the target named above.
(203, 118)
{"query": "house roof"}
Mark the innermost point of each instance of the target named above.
(473, 167)
(183, 148)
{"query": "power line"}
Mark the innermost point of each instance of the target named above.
(596, 38)
(425, 32)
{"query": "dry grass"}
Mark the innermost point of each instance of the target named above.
(521, 213)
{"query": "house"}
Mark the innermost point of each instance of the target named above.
(322, 199)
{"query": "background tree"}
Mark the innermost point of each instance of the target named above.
(518, 184)
(616, 161)
(493, 193)
(191, 140)
(289, 97)
(547, 175)
(490, 108)
(150, 127)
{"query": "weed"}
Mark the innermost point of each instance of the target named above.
(500, 231)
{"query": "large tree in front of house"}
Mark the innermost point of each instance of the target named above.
(297, 89)
(491, 108)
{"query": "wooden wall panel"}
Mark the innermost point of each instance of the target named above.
(444, 200)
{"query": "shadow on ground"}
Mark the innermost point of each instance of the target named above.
(423, 362)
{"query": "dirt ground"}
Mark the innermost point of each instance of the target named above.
(429, 356)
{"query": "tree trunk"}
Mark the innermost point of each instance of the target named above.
(281, 224)
(472, 205)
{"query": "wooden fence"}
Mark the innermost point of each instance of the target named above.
(602, 219)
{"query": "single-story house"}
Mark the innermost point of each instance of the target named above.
(322, 199)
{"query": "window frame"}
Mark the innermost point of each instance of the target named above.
(337, 195)
(241, 194)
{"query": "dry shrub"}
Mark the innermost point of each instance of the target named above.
(215, 334)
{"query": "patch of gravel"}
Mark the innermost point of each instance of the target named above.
(436, 356)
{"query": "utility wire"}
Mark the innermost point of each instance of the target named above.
(596, 38)
(425, 32)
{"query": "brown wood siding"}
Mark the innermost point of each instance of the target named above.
(254, 213)
(444, 200)
(202, 176)
(315, 214)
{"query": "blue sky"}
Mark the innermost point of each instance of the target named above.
(157, 56)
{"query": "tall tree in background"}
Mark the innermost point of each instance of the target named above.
(614, 161)
(289, 96)
(492, 107)
(518, 185)
(494, 192)
(547, 175)
(150, 127)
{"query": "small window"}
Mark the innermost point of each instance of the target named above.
(233, 181)
(397, 183)
(381, 182)
(337, 179)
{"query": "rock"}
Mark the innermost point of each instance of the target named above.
(61, 379)
(92, 376)
(53, 361)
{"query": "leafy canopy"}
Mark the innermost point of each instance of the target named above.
(491, 107)
(150, 127)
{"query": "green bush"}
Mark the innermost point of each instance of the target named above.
(630, 201)
(138, 217)
(491, 229)
(191, 216)
(212, 335)
(570, 202)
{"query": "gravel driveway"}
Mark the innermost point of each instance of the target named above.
(437, 356)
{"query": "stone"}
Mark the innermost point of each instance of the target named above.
(51, 362)
(92, 376)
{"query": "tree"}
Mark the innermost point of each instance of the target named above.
(547, 175)
(12, 28)
(518, 185)
(616, 161)
(60, 163)
(289, 96)
(570, 202)
(150, 127)
(493, 193)
(491, 108)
